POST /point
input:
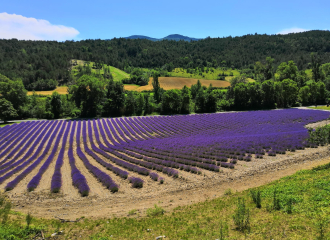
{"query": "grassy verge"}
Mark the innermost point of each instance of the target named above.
(8, 123)
(321, 107)
(294, 207)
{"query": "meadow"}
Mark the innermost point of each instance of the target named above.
(211, 74)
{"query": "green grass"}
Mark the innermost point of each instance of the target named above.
(8, 123)
(308, 190)
(179, 72)
(321, 107)
(117, 74)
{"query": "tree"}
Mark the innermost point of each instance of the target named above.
(241, 96)
(156, 86)
(264, 71)
(172, 102)
(287, 71)
(88, 93)
(195, 89)
(316, 68)
(237, 80)
(13, 91)
(200, 101)
(130, 104)
(304, 95)
(56, 104)
(290, 92)
(7, 110)
(268, 92)
(115, 99)
(255, 95)
(186, 97)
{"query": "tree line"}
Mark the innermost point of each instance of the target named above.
(33, 61)
(93, 95)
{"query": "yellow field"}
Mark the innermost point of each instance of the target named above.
(177, 83)
(60, 90)
(165, 82)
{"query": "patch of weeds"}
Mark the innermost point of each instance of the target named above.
(256, 197)
(224, 233)
(241, 216)
(156, 211)
(132, 212)
(228, 192)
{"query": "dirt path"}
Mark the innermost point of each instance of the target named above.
(172, 194)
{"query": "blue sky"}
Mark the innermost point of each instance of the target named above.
(62, 20)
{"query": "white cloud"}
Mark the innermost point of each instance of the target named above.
(20, 27)
(292, 30)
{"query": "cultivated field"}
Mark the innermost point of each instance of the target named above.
(51, 164)
(178, 83)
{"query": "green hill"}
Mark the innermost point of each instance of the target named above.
(117, 74)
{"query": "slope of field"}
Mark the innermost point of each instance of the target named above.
(117, 74)
(178, 83)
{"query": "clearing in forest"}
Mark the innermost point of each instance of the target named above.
(169, 83)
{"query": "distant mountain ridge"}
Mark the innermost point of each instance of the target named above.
(176, 37)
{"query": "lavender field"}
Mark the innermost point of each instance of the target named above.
(159, 148)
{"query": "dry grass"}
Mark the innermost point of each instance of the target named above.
(60, 90)
(178, 83)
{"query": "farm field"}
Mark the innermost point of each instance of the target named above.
(178, 83)
(52, 163)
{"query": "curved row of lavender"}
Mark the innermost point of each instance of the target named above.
(147, 146)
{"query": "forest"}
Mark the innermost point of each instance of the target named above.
(94, 95)
(286, 71)
(47, 61)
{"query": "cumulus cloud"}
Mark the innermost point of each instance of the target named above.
(292, 30)
(23, 28)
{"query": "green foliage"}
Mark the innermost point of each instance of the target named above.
(56, 104)
(88, 93)
(319, 136)
(7, 110)
(156, 211)
(28, 219)
(172, 102)
(13, 91)
(276, 201)
(42, 85)
(223, 231)
(115, 99)
(256, 197)
(156, 87)
(241, 216)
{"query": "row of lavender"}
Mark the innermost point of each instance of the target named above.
(143, 144)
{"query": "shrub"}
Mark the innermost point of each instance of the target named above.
(156, 211)
(256, 197)
(5, 207)
(241, 216)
